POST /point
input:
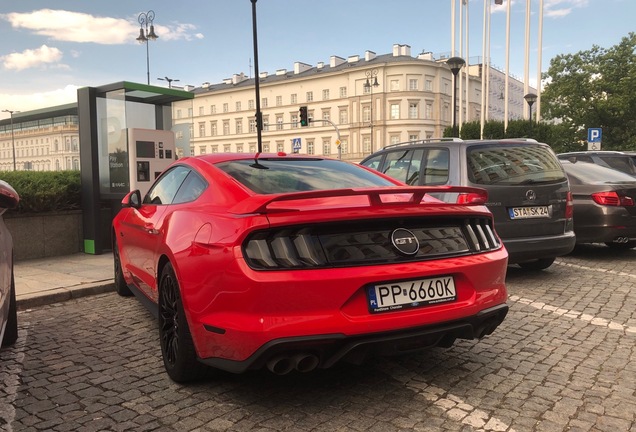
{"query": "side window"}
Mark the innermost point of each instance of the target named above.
(190, 189)
(165, 189)
(397, 164)
(374, 162)
(413, 176)
(436, 167)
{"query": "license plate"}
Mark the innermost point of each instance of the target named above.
(404, 295)
(529, 212)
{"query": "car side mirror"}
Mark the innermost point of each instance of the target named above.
(132, 199)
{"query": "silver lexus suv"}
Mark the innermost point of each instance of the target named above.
(528, 191)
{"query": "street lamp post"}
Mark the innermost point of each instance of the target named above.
(455, 64)
(170, 80)
(146, 34)
(372, 81)
(531, 98)
(12, 137)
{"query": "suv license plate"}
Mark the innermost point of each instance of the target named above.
(529, 212)
(410, 294)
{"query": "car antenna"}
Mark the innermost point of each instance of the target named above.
(256, 164)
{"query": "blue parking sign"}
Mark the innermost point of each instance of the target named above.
(594, 135)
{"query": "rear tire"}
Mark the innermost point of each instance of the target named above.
(120, 283)
(177, 348)
(622, 246)
(540, 264)
(11, 331)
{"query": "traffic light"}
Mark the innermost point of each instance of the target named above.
(304, 116)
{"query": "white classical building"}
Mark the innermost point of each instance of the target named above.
(43, 140)
(361, 102)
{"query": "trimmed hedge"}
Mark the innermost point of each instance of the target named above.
(45, 191)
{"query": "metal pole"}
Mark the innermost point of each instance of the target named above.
(259, 115)
(13, 142)
(455, 104)
(148, 57)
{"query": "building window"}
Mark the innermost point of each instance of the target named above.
(264, 102)
(413, 111)
(265, 123)
(428, 85)
(252, 125)
(395, 139)
(238, 105)
(343, 117)
(343, 92)
(325, 94)
(280, 146)
(250, 104)
(294, 98)
(215, 149)
(239, 148)
(366, 113)
(202, 150)
(294, 120)
(344, 146)
(310, 147)
(226, 127)
(190, 112)
(366, 144)
(265, 147)
(252, 148)
(326, 147)
(279, 123)
(202, 129)
(310, 96)
(239, 126)
(394, 85)
(225, 107)
(428, 113)
(414, 137)
(212, 109)
(279, 100)
(395, 111)
(412, 84)
(326, 114)
(213, 128)
(201, 110)
(227, 148)
(178, 113)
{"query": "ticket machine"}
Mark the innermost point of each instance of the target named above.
(150, 152)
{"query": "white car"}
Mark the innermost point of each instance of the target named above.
(8, 312)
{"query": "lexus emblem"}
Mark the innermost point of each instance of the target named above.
(530, 195)
(405, 241)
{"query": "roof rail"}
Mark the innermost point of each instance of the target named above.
(423, 141)
(523, 139)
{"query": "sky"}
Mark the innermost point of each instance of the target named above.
(50, 48)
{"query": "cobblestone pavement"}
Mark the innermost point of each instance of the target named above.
(564, 359)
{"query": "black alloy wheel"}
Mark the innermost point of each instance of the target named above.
(120, 283)
(177, 348)
(11, 330)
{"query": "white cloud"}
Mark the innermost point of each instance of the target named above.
(28, 102)
(80, 27)
(31, 58)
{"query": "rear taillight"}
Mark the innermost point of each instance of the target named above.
(472, 198)
(569, 206)
(612, 199)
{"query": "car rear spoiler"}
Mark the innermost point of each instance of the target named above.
(259, 203)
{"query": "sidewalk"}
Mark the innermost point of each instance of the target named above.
(44, 281)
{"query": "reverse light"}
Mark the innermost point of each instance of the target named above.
(612, 199)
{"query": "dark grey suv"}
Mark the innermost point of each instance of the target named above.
(618, 160)
(528, 191)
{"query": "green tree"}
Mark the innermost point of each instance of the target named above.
(594, 88)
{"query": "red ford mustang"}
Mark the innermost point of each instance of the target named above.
(296, 262)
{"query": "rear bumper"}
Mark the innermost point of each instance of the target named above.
(532, 248)
(332, 348)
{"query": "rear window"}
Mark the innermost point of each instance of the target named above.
(621, 163)
(269, 176)
(586, 173)
(513, 165)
